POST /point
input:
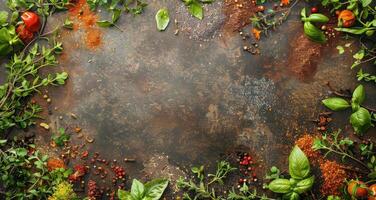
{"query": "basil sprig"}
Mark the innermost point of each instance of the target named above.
(300, 181)
(361, 118)
(310, 30)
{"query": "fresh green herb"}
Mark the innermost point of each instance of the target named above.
(310, 30)
(24, 173)
(361, 118)
(271, 19)
(331, 143)
(152, 190)
(274, 173)
(23, 81)
(162, 18)
(365, 76)
(68, 24)
(300, 182)
(246, 194)
(341, 50)
(203, 189)
(61, 138)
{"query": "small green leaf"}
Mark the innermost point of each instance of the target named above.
(299, 167)
(68, 24)
(162, 18)
(104, 23)
(195, 8)
(336, 103)
(341, 50)
(280, 186)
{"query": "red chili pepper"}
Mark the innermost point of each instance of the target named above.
(314, 10)
(31, 21)
(24, 34)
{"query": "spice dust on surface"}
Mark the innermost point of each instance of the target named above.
(86, 20)
(333, 175)
(238, 13)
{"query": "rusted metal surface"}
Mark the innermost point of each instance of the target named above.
(186, 99)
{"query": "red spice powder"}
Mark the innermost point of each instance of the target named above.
(93, 38)
(334, 176)
(305, 144)
(86, 19)
(55, 163)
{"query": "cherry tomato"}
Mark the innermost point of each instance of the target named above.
(346, 18)
(314, 10)
(24, 34)
(357, 189)
(372, 194)
(31, 21)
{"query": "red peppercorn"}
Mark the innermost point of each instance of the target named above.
(314, 10)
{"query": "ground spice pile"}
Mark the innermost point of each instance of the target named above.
(238, 13)
(86, 20)
(305, 144)
(334, 176)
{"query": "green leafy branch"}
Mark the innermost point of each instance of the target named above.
(203, 189)
(331, 143)
(23, 80)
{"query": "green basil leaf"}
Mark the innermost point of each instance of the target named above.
(316, 17)
(361, 120)
(336, 103)
(116, 15)
(304, 185)
(162, 18)
(155, 188)
(365, 3)
(280, 186)
(299, 167)
(359, 95)
(137, 189)
(195, 8)
(104, 23)
(313, 33)
(124, 195)
(3, 17)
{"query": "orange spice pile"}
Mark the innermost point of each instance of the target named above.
(332, 173)
(86, 20)
(305, 144)
(334, 176)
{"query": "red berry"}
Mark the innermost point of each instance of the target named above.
(314, 10)
(249, 158)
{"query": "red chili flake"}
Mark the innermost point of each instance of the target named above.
(80, 171)
(84, 154)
